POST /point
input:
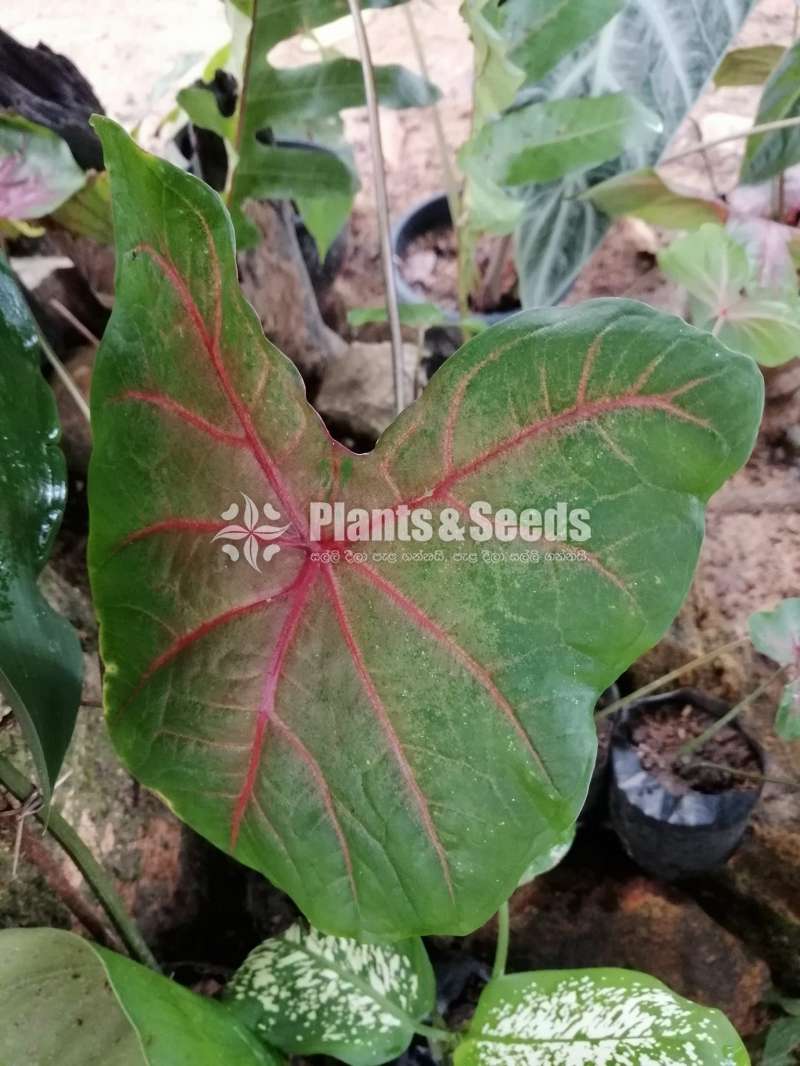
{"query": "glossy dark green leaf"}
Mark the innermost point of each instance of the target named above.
(645, 194)
(393, 741)
(66, 1002)
(37, 170)
(748, 66)
(41, 665)
(545, 141)
(767, 154)
(777, 634)
(588, 1017)
(311, 994)
(661, 53)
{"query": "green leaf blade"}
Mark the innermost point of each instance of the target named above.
(543, 31)
(592, 1016)
(543, 142)
(308, 994)
(37, 170)
(331, 722)
(748, 66)
(41, 663)
(70, 1002)
(646, 195)
(643, 53)
(767, 154)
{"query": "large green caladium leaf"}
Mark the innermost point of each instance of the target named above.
(661, 53)
(393, 740)
(777, 634)
(66, 1002)
(41, 664)
(37, 169)
(767, 154)
(311, 994)
(595, 1018)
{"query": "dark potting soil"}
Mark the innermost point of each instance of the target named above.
(430, 266)
(659, 733)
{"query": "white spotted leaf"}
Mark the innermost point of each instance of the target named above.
(307, 993)
(594, 1018)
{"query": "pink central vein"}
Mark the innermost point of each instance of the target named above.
(388, 729)
(211, 345)
(266, 705)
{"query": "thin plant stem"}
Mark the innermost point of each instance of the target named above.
(501, 949)
(98, 880)
(786, 782)
(764, 127)
(448, 173)
(432, 1032)
(66, 379)
(665, 679)
(76, 323)
(697, 743)
(490, 290)
(382, 200)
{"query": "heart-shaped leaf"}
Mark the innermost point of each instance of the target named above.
(41, 664)
(391, 738)
(311, 994)
(725, 295)
(37, 169)
(777, 635)
(595, 1018)
(68, 1002)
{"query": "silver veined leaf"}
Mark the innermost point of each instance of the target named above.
(307, 993)
(660, 52)
(603, 1017)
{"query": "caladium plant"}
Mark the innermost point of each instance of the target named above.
(391, 740)
(776, 634)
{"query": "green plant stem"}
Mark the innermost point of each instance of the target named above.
(96, 877)
(665, 679)
(697, 742)
(501, 950)
(448, 173)
(764, 127)
(432, 1032)
(382, 201)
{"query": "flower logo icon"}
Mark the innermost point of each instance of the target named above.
(250, 532)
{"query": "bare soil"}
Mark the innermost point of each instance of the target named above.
(659, 733)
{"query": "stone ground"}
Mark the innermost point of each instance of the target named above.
(721, 941)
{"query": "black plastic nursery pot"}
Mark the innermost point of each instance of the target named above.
(672, 830)
(598, 783)
(427, 217)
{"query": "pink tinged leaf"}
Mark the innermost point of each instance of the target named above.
(412, 742)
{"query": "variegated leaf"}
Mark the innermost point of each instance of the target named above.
(307, 994)
(594, 1018)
